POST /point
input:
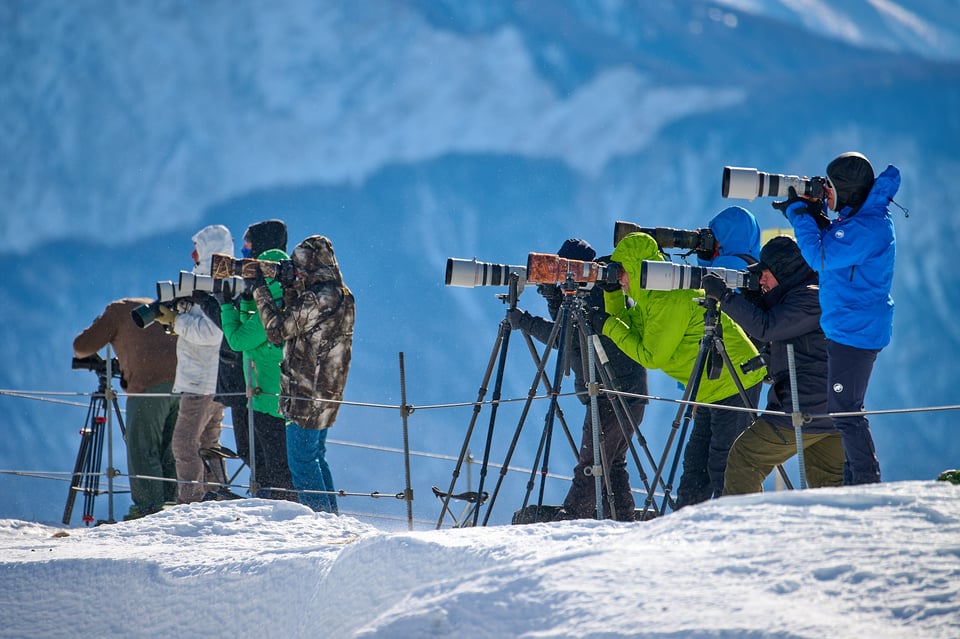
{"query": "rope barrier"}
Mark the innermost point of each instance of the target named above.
(58, 398)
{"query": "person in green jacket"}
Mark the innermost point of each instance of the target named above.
(244, 332)
(662, 330)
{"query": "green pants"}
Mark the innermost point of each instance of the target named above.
(150, 422)
(763, 446)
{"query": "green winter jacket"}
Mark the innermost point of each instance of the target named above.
(244, 332)
(664, 328)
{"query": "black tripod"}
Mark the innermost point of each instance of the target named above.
(86, 471)
(571, 319)
(711, 347)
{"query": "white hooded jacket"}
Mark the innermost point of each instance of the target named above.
(198, 343)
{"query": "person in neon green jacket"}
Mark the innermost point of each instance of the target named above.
(662, 330)
(244, 332)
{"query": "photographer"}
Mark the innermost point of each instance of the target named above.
(854, 256)
(788, 313)
(663, 329)
(628, 376)
(737, 237)
(148, 363)
(244, 332)
(198, 357)
(315, 326)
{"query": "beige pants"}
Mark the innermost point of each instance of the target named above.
(198, 426)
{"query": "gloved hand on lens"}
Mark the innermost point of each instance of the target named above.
(793, 200)
(713, 286)
(515, 317)
(167, 315)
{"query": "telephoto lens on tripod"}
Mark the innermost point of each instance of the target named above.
(547, 268)
(471, 273)
(702, 240)
(747, 184)
(667, 276)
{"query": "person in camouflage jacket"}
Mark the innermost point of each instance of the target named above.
(315, 325)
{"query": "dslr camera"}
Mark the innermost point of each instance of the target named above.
(702, 241)
(97, 364)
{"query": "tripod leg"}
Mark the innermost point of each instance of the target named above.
(79, 467)
(477, 407)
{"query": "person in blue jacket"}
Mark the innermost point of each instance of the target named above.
(737, 237)
(854, 255)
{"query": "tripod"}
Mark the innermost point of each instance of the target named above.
(711, 346)
(570, 319)
(86, 471)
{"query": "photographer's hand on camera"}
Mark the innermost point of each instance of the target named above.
(166, 316)
(714, 287)
(797, 205)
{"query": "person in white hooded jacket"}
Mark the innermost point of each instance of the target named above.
(198, 348)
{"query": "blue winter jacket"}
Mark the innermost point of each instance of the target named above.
(855, 257)
(738, 234)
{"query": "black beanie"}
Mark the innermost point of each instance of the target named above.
(266, 235)
(852, 176)
(574, 249)
(782, 257)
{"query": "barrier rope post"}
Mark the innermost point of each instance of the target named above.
(406, 411)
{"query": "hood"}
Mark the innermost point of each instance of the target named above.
(630, 252)
(782, 257)
(315, 260)
(212, 239)
(852, 176)
(737, 233)
(884, 188)
(266, 235)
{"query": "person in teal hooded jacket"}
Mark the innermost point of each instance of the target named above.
(662, 330)
(244, 332)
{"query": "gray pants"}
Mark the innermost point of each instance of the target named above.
(198, 426)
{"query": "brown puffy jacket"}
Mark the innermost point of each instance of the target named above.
(315, 327)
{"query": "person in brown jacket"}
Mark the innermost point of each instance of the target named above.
(315, 326)
(148, 363)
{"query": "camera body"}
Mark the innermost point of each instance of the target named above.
(701, 241)
(97, 364)
(747, 184)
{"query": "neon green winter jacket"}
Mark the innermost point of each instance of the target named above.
(244, 332)
(664, 328)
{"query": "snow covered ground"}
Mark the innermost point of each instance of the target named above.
(875, 561)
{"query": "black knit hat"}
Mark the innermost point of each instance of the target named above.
(852, 176)
(266, 235)
(575, 249)
(782, 257)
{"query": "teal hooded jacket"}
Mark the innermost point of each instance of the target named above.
(663, 329)
(244, 332)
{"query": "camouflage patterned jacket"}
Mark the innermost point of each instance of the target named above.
(315, 326)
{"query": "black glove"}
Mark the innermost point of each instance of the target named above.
(713, 286)
(257, 280)
(792, 198)
(597, 319)
(515, 317)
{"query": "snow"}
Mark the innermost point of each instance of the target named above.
(874, 561)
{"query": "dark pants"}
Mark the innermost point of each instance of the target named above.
(149, 437)
(581, 500)
(848, 373)
(705, 456)
(270, 448)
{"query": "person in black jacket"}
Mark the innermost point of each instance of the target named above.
(628, 376)
(788, 312)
